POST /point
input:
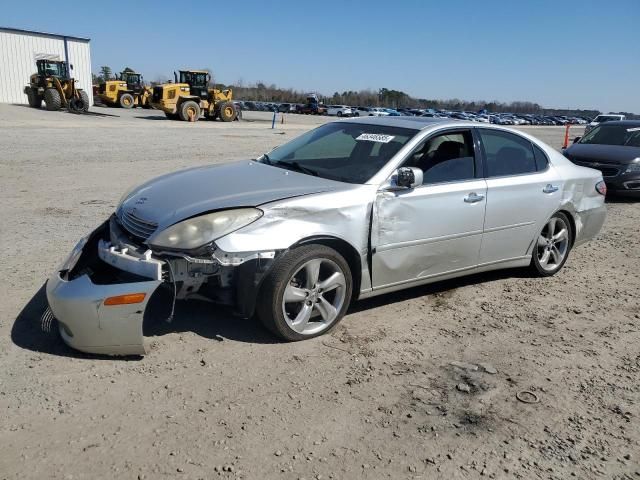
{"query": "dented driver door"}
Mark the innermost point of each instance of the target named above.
(427, 231)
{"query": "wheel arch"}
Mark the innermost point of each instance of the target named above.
(345, 249)
(572, 220)
(252, 274)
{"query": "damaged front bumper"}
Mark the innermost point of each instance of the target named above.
(100, 308)
(100, 295)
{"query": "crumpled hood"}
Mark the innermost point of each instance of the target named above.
(176, 196)
(602, 153)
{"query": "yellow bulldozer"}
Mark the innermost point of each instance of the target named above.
(190, 97)
(127, 91)
(53, 84)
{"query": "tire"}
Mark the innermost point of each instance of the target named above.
(552, 246)
(311, 311)
(52, 100)
(35, 100)
(85, 101)
(339, 113)
(171, 116)
(227, 112)
(126, 100)
(187, 109)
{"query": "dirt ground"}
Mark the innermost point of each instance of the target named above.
(422, 383)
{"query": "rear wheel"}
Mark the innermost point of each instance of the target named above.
(552, 246)
(189, 111)
(126, 100)
(35, 100)
(339, 113)
(306, 294)
(52, 99)
(227, 112)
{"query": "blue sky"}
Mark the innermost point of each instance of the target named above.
(571, 53)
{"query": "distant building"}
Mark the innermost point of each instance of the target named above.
(19, 50)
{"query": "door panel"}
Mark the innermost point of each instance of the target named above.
(517, 208)
(426, 231)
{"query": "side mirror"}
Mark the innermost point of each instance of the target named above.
(71, 66)
(409, 177)
(576, 140)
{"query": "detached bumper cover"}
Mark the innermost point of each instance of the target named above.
(78, 302)
(88, 325)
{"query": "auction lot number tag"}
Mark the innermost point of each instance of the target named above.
(375, 137)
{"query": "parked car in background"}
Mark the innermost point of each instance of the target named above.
(339, 111)
(378, 112)
(361, 111)
(609, 117)
(613, 147)
(392, 112)
(293, 236)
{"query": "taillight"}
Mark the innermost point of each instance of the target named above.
(601, 187)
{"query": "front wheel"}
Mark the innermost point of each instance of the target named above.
(552, 246)
(227, 112)
(306, 294)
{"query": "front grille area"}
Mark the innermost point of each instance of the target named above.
(137, 226)
(607, 170)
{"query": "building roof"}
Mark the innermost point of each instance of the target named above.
(33, 32)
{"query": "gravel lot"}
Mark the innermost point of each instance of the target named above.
(382, 396)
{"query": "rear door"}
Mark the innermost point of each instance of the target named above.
(523, 191)
(434, 228)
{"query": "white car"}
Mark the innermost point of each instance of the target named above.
(378, 112)
(609, 117)
(339, 111)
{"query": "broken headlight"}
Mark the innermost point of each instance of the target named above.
(198, 231)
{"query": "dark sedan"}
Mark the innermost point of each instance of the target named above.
(614, 149)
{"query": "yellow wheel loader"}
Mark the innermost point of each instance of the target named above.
(190, 97)
(127, 91)
(53, 84)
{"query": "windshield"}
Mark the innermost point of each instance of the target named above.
(346, 152)
(613, 135)
(606, 118)
(195, 79)
(52, 69)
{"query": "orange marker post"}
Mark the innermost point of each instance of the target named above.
(566, 136)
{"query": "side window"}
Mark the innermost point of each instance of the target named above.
(448, 157)
(506, 153)
(542, 161)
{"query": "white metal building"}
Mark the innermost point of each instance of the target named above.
(19, 50)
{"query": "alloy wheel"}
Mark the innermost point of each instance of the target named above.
(553, 244)
(314, 296)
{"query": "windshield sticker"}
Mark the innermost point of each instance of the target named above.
(635, 129)
(375, 137)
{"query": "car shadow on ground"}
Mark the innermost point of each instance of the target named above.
(438, 288)
(32, 331)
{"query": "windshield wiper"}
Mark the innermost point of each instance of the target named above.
(296, 166)
(265, 158)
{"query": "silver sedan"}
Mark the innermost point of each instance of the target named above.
(346, 211)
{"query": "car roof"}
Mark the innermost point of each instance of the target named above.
(415, 123)
(625, 123)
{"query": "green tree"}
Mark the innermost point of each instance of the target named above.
(105, 73)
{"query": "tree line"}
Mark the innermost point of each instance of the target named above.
(384, 97)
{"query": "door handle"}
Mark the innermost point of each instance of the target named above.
(473, 197)
(550, 188)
